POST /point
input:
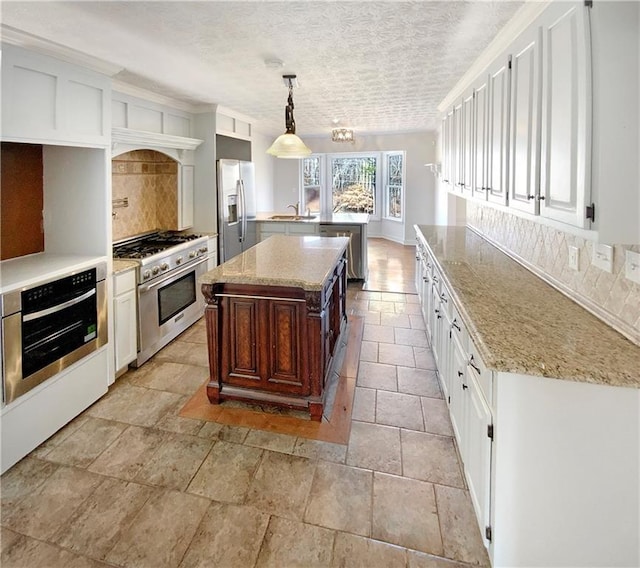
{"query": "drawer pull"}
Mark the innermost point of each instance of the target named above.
(472, 363)
(443, 298)
(460, 374)
(464, 387)
(435, 278)
(425, 279)
(454, 323)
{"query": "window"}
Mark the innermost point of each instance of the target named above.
(311, 169)
(393, 185)
(353, 184)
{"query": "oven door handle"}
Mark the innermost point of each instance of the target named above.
(143, 289)
(59, 307)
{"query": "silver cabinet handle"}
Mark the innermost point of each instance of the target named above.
(59, 307)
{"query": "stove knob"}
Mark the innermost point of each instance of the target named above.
(164, 266)
(203, 249)
(155, 270)
(146, 275)
(179, 260)
(192, 254)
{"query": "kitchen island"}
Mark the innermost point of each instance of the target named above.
(274, 315)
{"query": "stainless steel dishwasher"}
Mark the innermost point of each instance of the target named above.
(355, 267)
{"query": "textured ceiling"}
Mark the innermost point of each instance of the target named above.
(375, 66)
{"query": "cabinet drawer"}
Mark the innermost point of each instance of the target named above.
(273, 228)
(483, 376)
(303, 229)
(124, 282)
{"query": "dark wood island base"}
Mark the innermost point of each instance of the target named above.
(274, 344)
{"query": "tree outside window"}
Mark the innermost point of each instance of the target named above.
(354, 184)
(394, 171)
(311, 183)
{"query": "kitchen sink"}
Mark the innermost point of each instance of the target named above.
(292, 217)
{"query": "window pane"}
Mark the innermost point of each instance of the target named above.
(311, 183)
(394, 186)
(354, 185)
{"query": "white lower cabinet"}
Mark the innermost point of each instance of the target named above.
(294, 228)
(124, 319)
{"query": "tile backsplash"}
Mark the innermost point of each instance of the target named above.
(148, 179)
(611, 296)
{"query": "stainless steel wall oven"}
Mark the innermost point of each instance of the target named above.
(49, 326)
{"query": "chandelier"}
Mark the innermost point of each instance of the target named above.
(342, 135)
(288, 145)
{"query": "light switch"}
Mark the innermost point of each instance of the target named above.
(632, 266)
(603, 257)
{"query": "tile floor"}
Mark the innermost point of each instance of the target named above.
(130, 483)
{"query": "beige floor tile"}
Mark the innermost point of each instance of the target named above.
(359, 552)
(398, 409)
(366, 295)
(369, 317)
(197, 333)
(184, 352)
(170, 515)
(86, 443)
(7, 539)
(229, 536)
(423, 560)
(170, 376)
(293, 544)
(460, 532)
(134, 405)
(424, 358)
(413, 337)
(381, 306)
(24, 479)
(211, 430)
(129, 453)
(364, 405)
(408, 308)
(412, 298)
(393, 354)
(173, 422)
(226, 473)
(175, 462)
(393, 297)
(405, 513)
(235, 434)
(60, 435)
(376, 447)
(430, 458)
(379, 333)
(55, 501)
(318, 450)
(358, 305)
(377, 376)
(340, 499)
(270, 441)
(281, 485)
(369, 351)
(420, 382)
(30, 553)
(97, 525)
(436, 416)
(417, 322)
(395, 320)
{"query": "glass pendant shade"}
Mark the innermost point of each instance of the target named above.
(289, 145)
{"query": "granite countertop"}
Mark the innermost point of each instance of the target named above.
(521, 324)
(336, 218)
(300, 262)
(123, 265)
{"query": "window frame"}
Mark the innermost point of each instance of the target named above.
(386, 200)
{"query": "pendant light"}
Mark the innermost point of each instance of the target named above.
(288, 145)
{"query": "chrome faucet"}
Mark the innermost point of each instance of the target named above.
(296, 208)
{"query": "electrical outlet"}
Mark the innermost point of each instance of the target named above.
(603, 257)
(632, 266)
(574, 258)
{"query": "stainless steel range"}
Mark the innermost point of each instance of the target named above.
(168, 297)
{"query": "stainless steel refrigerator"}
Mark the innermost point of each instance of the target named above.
(236, 208)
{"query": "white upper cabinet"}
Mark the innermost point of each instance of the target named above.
(566, 114)
(480, 106)
(466, 159)
(498, 131)
(45, 100)
(446, 148)
(525, 117)
(457, 147)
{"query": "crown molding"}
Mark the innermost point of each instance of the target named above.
(149, 96)
(233, 114)
(146, 139)
(512, 29)
(18, 38)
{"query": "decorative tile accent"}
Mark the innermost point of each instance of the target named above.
(149, 180)
(546, 248)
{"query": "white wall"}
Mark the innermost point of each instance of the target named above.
(420, 148)
(264, 170)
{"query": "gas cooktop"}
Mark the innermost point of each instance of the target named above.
(149, 245)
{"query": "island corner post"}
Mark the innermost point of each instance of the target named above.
(275, 344)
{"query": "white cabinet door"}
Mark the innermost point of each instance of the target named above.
(498, 135)
(467, 143)
(566, 114)
(125, 330)
(480, 124)
(49, 101)
(456, 147)
(477, 450)
(445, 148)
(457, 397)
(525, 118)
(185, 197)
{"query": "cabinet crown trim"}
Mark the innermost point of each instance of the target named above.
(152, 139)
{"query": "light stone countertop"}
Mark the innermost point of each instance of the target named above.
(300, 262)
(521, 324)
(335, 218)
(123, 265)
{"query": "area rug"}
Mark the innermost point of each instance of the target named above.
(336, 423)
